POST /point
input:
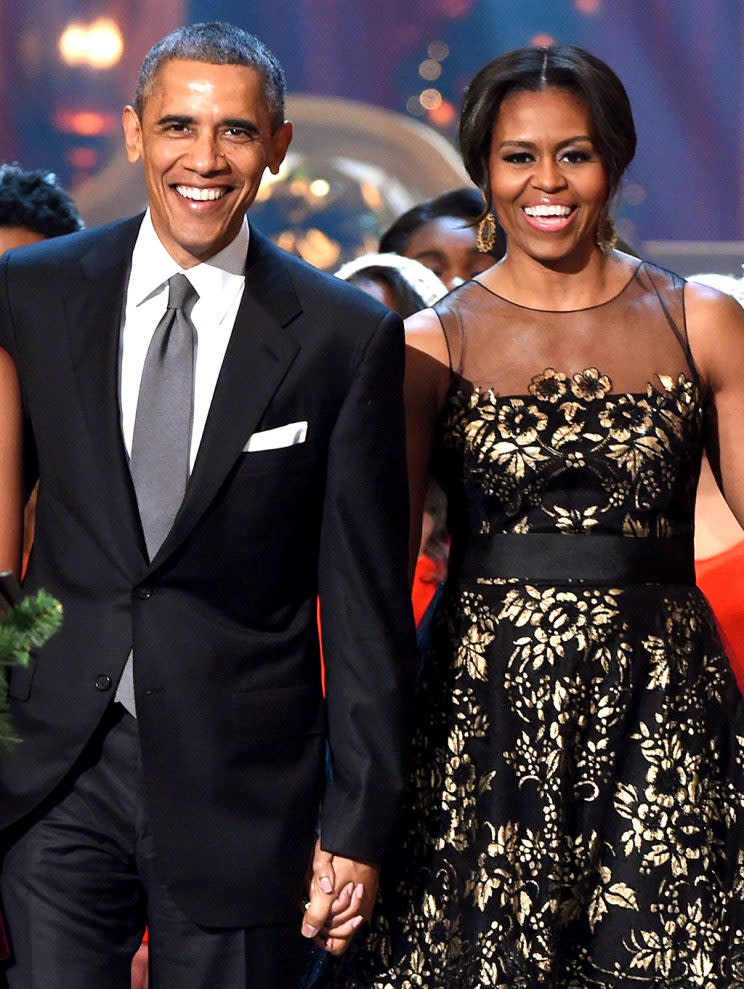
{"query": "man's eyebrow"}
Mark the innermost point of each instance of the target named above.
(175, 118)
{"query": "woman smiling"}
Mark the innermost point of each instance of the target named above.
(575, 807)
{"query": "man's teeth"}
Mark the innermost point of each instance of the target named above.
(202, 195)
(547, 210)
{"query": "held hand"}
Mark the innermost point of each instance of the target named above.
(333, 918)
(321, 892)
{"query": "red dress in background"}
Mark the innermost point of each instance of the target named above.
(721, 578)
(429, 575)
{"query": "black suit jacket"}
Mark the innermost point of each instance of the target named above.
(231, 716)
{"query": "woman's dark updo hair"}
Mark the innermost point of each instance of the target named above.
(530, 70)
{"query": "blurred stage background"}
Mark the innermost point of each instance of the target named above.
(376, 87)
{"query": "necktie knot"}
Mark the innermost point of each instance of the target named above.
(181, 293)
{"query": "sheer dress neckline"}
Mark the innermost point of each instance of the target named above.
(597, 305)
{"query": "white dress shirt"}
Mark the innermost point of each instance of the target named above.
(219, 282)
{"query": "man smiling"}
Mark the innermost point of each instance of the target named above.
(218, 433)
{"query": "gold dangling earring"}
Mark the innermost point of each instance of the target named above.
(486, 236)
(607, 234)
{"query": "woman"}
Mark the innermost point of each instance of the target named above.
(402, 284)
(719, 566)
(575, 812)
(11, 494)
(407, 286)
(441, 233)
(11, 500)
(719, 541)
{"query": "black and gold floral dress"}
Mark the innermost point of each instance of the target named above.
(575, 815)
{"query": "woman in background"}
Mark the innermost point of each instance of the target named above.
(11, 499)
(407, 286)
(11, 480)
(404, 285)
(575, 813)
(719, 541)
(442, 233)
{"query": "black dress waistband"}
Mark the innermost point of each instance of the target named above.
(601, 558)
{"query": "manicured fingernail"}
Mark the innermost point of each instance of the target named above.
(349, 889)
(359, 891)
(326, 885)
(308, 930)
(357, 921)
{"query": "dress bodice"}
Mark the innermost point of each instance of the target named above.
(571, 422)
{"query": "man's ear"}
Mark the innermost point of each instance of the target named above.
(132, 133)
(280, 141)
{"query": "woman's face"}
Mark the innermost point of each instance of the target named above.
(548, 183)
(447, 245)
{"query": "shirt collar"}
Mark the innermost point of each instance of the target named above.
(217, 280)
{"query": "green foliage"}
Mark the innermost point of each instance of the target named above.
(25, 627)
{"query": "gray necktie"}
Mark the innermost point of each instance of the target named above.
(159, 462)
(162, 427)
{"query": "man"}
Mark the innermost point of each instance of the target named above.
(218, 434)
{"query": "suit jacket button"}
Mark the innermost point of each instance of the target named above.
(143, 593)
(103, 682)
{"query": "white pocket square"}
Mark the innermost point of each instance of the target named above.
(274, 439)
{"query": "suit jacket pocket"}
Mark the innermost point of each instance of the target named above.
(284, 459)
(20, 679)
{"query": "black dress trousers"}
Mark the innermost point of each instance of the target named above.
(80, 882)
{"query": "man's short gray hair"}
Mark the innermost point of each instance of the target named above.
(217, 43)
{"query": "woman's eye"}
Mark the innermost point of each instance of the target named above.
(576, 157)
(519, 158)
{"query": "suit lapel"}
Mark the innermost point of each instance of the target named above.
(258, 356)
(94, 311)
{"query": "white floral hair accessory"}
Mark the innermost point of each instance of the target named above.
(421, 279)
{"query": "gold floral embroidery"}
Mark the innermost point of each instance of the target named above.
(590, 384)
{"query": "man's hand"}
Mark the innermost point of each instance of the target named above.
(342, 896)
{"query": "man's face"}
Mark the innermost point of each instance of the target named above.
(205, 139)
(17, 237)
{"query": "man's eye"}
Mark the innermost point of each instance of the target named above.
(177, 129)
(238, 133)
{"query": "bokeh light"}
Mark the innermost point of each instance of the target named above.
(456, 8)
(320, 188)
(413, 106)
(634, 194)
(588, 6)
(438, 50)
(542, 40)
(83, 159)
(98, 45)
(430, 99)
(430, 69)
(86, 123)
(443, 115)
